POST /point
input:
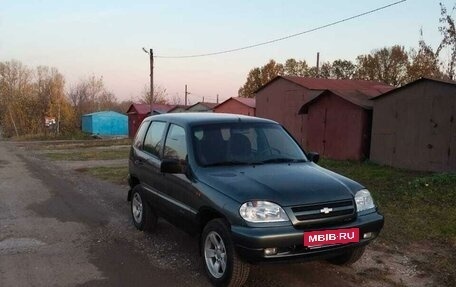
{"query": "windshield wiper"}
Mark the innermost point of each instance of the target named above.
(282, 160)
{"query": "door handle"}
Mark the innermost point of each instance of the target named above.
(139, 162)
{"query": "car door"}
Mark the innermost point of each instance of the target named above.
(179, 187)
(137, 156)
(151, 177)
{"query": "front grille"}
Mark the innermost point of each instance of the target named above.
(337, 211)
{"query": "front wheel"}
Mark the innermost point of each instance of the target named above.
(223, 266)
(349, 257)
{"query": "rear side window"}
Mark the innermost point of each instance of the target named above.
(175, 144)
(139, 139)
(153, 141)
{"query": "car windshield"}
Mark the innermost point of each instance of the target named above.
(244, 143)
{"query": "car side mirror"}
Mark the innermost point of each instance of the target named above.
(172, 166)
(313, 156)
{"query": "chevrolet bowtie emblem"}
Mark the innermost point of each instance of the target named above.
(326, 210)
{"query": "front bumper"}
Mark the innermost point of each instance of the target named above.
(251, 242)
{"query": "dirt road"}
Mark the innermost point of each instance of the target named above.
(62, 228)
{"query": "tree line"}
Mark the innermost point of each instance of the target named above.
(29, 95)
(393, 65)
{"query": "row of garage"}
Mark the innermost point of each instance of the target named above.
(110, 123)
(235, 105)
(411, 127)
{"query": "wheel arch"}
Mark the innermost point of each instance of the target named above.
(207, 214)
(132, 182)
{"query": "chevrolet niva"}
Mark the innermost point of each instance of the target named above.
(248, 190)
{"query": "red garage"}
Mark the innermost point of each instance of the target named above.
(138, 112)
(237, 105)
(339, 125)
(331, 117)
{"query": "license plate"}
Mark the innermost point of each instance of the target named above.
(331, 237)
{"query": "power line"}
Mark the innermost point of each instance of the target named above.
(283, 38)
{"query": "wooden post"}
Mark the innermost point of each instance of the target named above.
(186, 93)
(151, 54)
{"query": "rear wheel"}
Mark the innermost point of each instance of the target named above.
(142, 214)
(349, 257)
(223, 266)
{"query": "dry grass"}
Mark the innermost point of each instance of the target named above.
(90, 154)
(117, 175)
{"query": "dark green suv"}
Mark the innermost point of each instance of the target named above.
(248, 190)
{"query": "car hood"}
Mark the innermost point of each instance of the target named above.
(285, 184)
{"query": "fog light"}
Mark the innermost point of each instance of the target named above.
(270, 251)
(368, 235)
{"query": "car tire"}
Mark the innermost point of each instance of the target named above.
(217, 249)
(349, 257)
(144, 218)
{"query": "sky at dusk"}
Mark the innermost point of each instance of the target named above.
(105, 38)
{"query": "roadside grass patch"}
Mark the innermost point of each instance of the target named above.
(419, 207)
(86, 144)
(77, 135)
(117, 175)
(119, 153)
(73, 144)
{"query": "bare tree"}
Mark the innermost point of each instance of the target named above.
(160, 95)
(448, 31)
(90, 95)
(175, 99)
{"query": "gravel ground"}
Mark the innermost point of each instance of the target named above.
(63, 228)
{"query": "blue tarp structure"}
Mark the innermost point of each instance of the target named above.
(107, 123)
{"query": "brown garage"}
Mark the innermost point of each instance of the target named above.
(328, 116)
(414, 126)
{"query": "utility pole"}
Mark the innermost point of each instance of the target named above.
(151, 58)
(318, 65)
(217, 98)
(151, 54)
(186, 94)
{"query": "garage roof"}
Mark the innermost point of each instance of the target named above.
(358, 92)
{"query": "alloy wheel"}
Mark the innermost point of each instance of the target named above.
(137, 208)
(215, 254)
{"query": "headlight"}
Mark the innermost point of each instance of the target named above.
(262, 211)
(364, 200)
